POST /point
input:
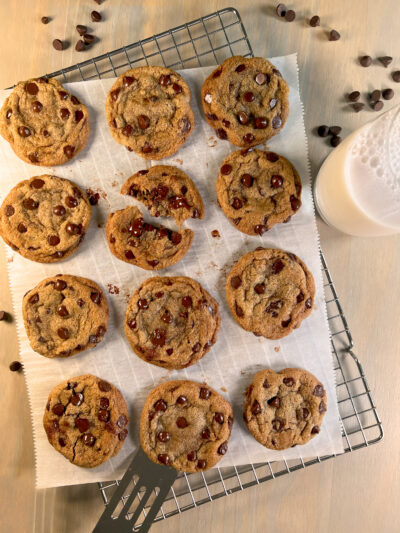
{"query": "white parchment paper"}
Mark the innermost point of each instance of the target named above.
(103, 166)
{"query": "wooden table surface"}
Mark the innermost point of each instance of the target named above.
(353, 493)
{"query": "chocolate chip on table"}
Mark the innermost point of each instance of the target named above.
(95, 16)
(358, 106)
(88, 38)
(315, 21)
(385, 60)
(387, 94)
(98, 2)
(215, 234)
(375, 95)
(354, 96)
(334, 35)
(58, 44)
(335, 141)
(323, 131)
(396, 76)
(81, 29)
(365, 61)
(15, 366)
(45, 20)
(80, 46)
(3, 315)
(290, 15)
(335, 130)
(377, 106)
(281, 10)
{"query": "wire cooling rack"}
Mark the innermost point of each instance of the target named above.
(208, 41)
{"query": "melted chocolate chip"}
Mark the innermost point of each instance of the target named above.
(160, 405)
(104, 386)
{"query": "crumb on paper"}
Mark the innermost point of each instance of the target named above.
(10, 259)
(277, 348)
(100, 224)
(243, 372)
(212, 141)
(223, 389)
(178, 160)
(215, 234)
(127, 296)
(114, 183)
(112, 289)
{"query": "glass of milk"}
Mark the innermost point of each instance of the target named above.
(357, 189)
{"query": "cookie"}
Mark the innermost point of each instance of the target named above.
(148, 111)
(64, 315)
(44, 123)
(257, 190)
(245, 100)
(270, 292)
(172, 322)
(86, 420)
(147, 246)
(185, 425)
(45, 218)
(284, 409)
(167, 192)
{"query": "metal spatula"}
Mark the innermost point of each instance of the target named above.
(150, 477)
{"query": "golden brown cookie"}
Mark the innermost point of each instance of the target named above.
(172, 322)
(86, 419)
(44, 123)
(139, 243)
(45, 218)
(166, 191)
(284, 408)
(148, 111)
(65, 315)
(185, 425)
(245, 100)
(257, 190)
(270, 292)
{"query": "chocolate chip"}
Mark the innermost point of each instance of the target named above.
(104, 386)
(354, 96)
(181, 422)
(143, 121)
(290, 15)
(60, 285)
(246, 180)
(77, 399)
(158, 337)
(240, 68)
(165, 80)
(201, 463)
(375, 95)
(223, 448)
(315, 430)
(181, 400)
(276, 181)
(160, 405)
(259, 288)
(81, 29)
(277, 266)
(69, 150)
(256, 408)
(163, 458)
(58, 409)
(219, 418)
(285, 323)
(3, 315)
(276, 122)
(315, 21)
(377, 106)
(95, 16)
(62, 311)
(192, 456)
(196, 347)
(226, 169)
(237, 203)
(281, 10)
(8, 114)
(248, 96)
(127, 130)
(236, 281)
(336, 140)
(187, 301)
(63, 333)
(261, 123)
(9, 210)
(31, 88)
(109, 426)
(243, 118)
(53, 240)
(323, 131)
(205, 434)
(204, 393)
(80, 46)
(260, 78)
(45, 20)
(385, 60)
(73, 229)
(318, 391)
(62, 442)
(248, 138)
(24, 131)
(334, 35)
(122, 434)
(177, 88)
(365, 61)
(30, 204)
(358, 106)
(396, 76)
(322, 407)
(289, 382)
(387, 94)
(88, 439)
(222, 134)
(308, 303)
(274, 402)
(239, 310)
(335, 130)
(278, 424)
(103, 415)
(58, 44)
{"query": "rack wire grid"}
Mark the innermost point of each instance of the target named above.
(208, 41)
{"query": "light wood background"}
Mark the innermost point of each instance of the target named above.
(358, 492)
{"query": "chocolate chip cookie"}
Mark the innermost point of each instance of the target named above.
(172, 322)
(151, 247)
(185, 425)
(257, 190)
(245, 100)
(166, 191)
(270, 292)
(148, 111)
(64, 315)
(284, 408)
(86, 420)
(44, 123)
(45, 218)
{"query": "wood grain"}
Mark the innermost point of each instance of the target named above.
(355, 492)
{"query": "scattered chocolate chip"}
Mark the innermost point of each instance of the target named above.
(215, 234)
(281, 10)
(80, 46)
(375, 95)
(358, 106)
(81, 29)
(45, 20)
(335, 130)
(88, 38)
(354, 96)
(334, 35)
(365, 61)
(335, 141)
(58, 44)
(385, 60)
(95, 16)
(387, 94)
(377, 106)
(290, 15)
(396, 76)
(323, 131)
(315, 21)
(15, 366)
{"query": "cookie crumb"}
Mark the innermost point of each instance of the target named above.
(223, 389)
(215, 234)
(277, 348)
(112, 289)
(212, 141)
